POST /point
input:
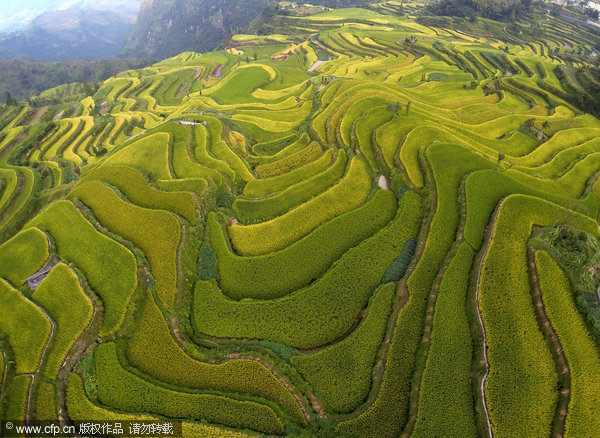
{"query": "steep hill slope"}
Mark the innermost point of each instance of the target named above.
(167, 27)
(358, 226)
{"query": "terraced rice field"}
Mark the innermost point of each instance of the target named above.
(344, 237)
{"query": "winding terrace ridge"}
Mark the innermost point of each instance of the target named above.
(554, 345)
(488, 235)
(425, 345)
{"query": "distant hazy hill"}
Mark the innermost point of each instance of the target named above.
(17, 14)
(67, 35)
(167, 27)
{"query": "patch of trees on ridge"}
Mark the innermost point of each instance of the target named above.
(502, 10)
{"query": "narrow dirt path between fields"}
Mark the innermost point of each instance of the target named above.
(58, 115)
(425, 345)
(36, 373)
(357, 321)
(403, 296)
(82, 346)
(35, 116)
(4, 374)
(175, 320)
(519, 40)
(562, 367)
(316, 65)
(218, 71)
(286, 384)
(487, 236)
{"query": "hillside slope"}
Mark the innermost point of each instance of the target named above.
(358, 226)
(167, 27)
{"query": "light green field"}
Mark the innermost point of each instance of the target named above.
(363, 222)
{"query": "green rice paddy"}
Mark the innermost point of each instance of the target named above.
(345, 235)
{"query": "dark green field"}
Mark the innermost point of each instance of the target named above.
(361, 225)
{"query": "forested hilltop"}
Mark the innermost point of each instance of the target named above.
(365, 222)
(23, 78)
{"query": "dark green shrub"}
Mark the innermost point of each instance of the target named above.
(399, 266)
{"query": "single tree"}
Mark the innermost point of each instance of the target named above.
(87, 89)
(10, 101)
(394, 108)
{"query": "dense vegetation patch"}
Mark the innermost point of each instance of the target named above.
(367, 222)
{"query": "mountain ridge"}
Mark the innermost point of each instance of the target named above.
(71, 34)
(204, 23)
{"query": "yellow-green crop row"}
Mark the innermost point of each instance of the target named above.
(580, 351)
(192, 185)
(238, 85)
(133, 185)
(571, 184)
(263, 94)
(123, 390)
(203, 157)
(274, 274)
(296, 146)
(10, 176)
(322, 311)
(275, 234)
(486, 187)
(27, 328)
(254, 210)
(286, 164)
(562, 161)
(366, 126)
(275, 121)
(109, 268)
(156, 232)
(45, 406)
(150, 153)
(219, 149)
(23, 255)
(446, 383)
(562, 140)
(389, 136)
(52, 150)
(80, 408)
(60, 294)
(183, 166)
(415, 140)
(23, 196)
(266, 186)
(341, 373)
(154, 351)
(17, 392)
(521, 386)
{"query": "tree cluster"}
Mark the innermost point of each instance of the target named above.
(502, 10)
(23, 78)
